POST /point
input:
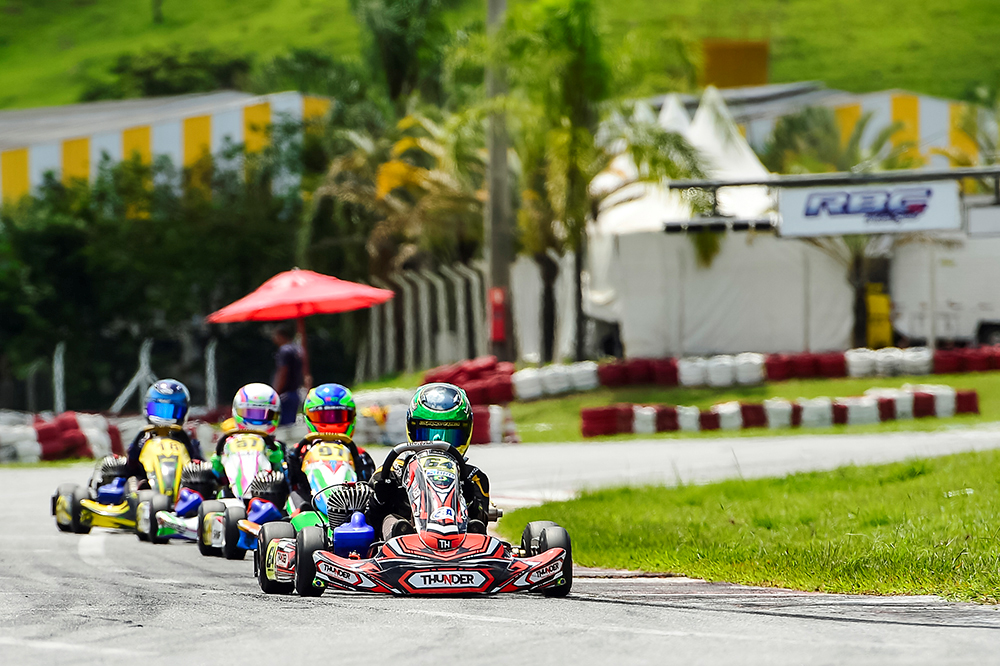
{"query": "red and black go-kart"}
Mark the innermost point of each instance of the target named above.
(441, 558)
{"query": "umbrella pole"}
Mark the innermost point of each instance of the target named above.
(306, 375)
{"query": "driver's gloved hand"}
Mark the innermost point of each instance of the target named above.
(383, 489)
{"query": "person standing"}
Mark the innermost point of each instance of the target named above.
(288, 376)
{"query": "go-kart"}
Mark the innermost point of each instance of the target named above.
(440, 558)
(115, 502)
(252, 487)
(329, 466)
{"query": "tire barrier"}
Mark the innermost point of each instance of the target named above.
(875, 406)
(485, 380)
(28, 438)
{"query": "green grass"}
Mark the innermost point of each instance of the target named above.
(917, 527)
(558, 420)
(47, 45)
(938, 46)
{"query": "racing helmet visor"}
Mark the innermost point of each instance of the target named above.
(330, 415)
(457, 437)
(166, 410)
(258, 415)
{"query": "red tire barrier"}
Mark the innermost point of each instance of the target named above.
(976, 360)
(499, 390)
(754, 415)
(923, 405)
(796, 415)
(966, 402)
(804, 365)
(708, 420)
(506, 369)
(476, 390)
(639, 371)
(946, 362)
(666, 418)
(886, 409)
(778, 367)
(612, 374)
(832, 365)
(116, 440)
(600, 421)
(665, 371)
(480, 424)
(839, 414)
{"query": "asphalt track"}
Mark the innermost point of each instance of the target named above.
(107, 598)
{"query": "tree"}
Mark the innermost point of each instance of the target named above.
(809, 142)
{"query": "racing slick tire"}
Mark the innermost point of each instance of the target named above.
(307, 541)
(532, 533)
(268, 533)
(211, 506)
(77, 523)
(158, 503)
(230, 543)
(65, 490)
(140, 497)
(557, 537)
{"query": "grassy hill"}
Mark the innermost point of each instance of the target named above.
(941, 47)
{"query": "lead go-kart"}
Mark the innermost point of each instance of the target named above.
(442, 557)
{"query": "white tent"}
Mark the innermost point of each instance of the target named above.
(761, 293)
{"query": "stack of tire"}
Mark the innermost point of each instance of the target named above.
(877, 405)
(485, 380)
(555, 380)
(18, 440)
(72, 435)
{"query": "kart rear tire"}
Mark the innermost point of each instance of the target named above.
(156, 504)
(211, 506)
(268, 533)
(532, 533)
(231, 540)
(64, 490)
(307, 541)
(557, 537)
(76, 511)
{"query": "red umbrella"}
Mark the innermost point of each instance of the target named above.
(296, 294)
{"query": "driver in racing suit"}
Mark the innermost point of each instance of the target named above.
(257, 409)
(328, 408)
(439, 412)
(166, 406)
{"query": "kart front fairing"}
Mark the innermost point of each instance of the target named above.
(327, 466)
(406, 566)
(243, 457)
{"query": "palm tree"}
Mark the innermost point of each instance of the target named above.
(810, 142)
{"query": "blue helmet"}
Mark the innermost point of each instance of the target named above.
(167, 403)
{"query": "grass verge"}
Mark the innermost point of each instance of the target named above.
(558, 419)
(917, 527)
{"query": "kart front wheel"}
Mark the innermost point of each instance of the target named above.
(307, 541)
(141, 504)
(231, 541)
(205, 546)
(532, 533)
(64, 493)
(557, 537)
(156, 504)
(77, 523)
(270, 532)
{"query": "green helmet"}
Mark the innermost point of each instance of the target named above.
(440, 412)
(330, 408)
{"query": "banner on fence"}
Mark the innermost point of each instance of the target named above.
(869, 209)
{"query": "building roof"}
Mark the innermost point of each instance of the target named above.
(56, 123)
(752, 102)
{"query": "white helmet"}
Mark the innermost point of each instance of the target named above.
(257, 407)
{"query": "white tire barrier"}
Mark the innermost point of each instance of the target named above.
(944, 397)
(730, 415)
(555, 380)
(888, 362)
(817, 412)
(583, 376)
(688, 419)
(861, 410)
(527, 384)
(692, 371)
(749, 369)
(720, 371)
(860, 362)
(643, 420)
(779, 413)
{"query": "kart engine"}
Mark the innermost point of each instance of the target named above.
(342, 502)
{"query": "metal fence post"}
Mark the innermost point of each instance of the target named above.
(211, 377)
(59, 379)
(390, 329)
(478, 311)
(461, 318)
(409, 325)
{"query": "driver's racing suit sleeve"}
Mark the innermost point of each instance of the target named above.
(476, 490)
(133, 467)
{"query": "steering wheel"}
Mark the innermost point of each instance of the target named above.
(447, 449)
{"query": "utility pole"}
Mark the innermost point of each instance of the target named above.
(499, 241)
